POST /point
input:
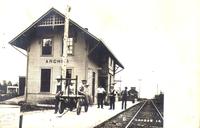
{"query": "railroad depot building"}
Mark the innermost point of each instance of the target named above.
(87, 57)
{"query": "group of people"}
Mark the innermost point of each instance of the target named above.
(101, 94)
(70, 90)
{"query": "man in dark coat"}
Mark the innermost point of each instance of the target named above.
(58, 94)
(112, 97)
(124, 97)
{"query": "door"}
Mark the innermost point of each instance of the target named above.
(45, 80)
(93, 85)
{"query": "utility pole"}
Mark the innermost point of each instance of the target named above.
(157, 89)
(139, 95)
(65, 47)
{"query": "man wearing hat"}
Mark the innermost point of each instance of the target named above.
(100, 96)
(59, 92)
(70, 89)
(57, 97)
(112, 97)
(124, 97)
(84, 90)
(59, 84)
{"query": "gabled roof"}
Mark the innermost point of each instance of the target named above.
(20, 40)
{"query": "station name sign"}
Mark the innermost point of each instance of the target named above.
(55, 61)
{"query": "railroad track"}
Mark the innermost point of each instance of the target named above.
(143, 115)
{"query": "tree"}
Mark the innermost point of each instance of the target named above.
(9, 83)
(15, 84)
(4, 83)
(4, 87)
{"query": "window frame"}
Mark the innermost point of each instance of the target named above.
(52, 44)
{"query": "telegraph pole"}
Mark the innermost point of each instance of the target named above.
(157, 89)
(139, 88)
(65, 45)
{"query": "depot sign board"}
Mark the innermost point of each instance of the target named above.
(55, 61)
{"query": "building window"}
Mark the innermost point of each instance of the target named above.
(110, 79)
(47, 46)
(69, 73)
(68, 76)
(111, 61)
(45, 80)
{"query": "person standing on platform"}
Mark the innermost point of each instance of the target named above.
(58, 94)
(100, 96)
(112, 97)
(124, 97)
(70, 89)
(84, 90)
(59, 84)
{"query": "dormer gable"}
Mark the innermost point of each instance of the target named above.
(52, 19)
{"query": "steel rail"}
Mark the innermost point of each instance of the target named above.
(157, 109)
(135, 115)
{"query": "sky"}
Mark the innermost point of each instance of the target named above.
(157, 41)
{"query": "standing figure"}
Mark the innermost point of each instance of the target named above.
(124, 98)
(100, 96)
(112, 97)
(58, 94)
(84, 90)
(59, 84)
(70, 89)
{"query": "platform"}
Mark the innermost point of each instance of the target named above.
(69, 119)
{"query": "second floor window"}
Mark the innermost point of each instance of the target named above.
(110, 61)
(47, 46)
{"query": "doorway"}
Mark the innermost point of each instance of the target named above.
(45, 80)
(93, 85)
